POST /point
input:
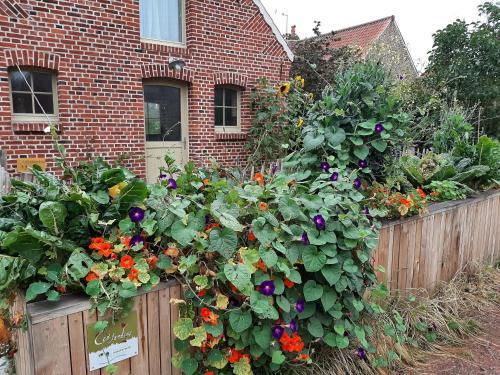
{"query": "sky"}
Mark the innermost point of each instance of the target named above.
(417, 20)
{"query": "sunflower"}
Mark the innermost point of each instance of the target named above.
(284, 88)
(300, 122)
(299, 81)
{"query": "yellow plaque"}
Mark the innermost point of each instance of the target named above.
(24, 164)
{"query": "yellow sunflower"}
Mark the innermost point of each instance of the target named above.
(300, 122)
(299, 81)
(284, 88)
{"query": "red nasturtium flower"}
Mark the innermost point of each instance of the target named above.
(114, 256)
(259, 177)
(235, 356)
(421, 192)
(251, 236)
(91, 276)
(126, 262)
(209, 316)
(211, 226)
(208, 373)
(202, 293)
(261, 265)
(406, 202)
(289, 284)
(126, 241)
(133, 275)
(292, 343)
(263, 206)
(152, 259)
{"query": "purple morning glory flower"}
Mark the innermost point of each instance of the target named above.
(136, 214)
(379, 128)
(136, 240)
(363, 164)
(300, 305)
(334, 177)
(172, 184)
(357, 183)
(305, 239)
(361, 353)
(267, 288)
(366, 211)
(162, 177)
(325, 166)
(277, 332)
(320, 222)
(294, 325)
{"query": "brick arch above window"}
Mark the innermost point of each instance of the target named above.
(230, 78)
(37, 59)
(163, 71)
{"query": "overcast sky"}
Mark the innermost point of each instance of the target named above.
(418, 20)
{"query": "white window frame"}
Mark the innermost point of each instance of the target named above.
(229, 129)
(182, 43)
(49, 118)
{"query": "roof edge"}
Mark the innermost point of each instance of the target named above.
(277, 33)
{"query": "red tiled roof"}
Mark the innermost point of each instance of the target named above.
(362, 35)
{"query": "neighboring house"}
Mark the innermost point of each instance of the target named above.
(380, 39)
(138, 77)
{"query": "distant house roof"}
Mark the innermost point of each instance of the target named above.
(363, 35)
(281, 39)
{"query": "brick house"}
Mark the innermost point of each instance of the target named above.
(137, 77)
(380, 39)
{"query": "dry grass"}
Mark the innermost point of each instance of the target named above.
(448, 313)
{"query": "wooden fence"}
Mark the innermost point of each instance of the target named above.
(4, 181)
(55, 341)
(453, 236)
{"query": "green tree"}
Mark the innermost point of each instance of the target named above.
(464, 61)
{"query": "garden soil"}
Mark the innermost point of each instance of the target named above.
(480, 355)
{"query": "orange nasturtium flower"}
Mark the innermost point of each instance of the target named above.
(263, 206)
(259, 177)
(211, 226)
(133, 275)
(208, 373)
(209, 316)
(261, 265)
(91, 276)
(126, 262)
(235, 356)
(421, 192)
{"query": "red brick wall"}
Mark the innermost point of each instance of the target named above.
(95, 49)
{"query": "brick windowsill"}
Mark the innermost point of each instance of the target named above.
(231, 136)
(30, 127)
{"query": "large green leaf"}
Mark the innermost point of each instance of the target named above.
(332, 273)
(132, 194)
(263, 231)
(53, 215)
(21, 243)
(315, 327)
(312, 291)
(111, 177)
(78, 265)
(182, 233)
(312, 141)
(240, 320)
(238, 275)
(361, 152)
(36, 289)
(183, 328)
(223, 241)
(313, 259)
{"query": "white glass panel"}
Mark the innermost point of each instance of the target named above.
(161, 20)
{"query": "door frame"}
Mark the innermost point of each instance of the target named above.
(184, 99)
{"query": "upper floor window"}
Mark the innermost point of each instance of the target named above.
(163, 20)
(33, 95)
(227, 108)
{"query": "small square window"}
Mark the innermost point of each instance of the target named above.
(33, 95)
(227, 109)
(162, 21)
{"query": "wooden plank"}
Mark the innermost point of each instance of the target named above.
(446, 248)
(89, 317)
(154, 352)
(416, 258)
(382, 254)
(395, 257)
(24, 361)
(72, 303)
(139, 363)
(175, 293)
(425, 250)
(51, 347)
(435, 251)
(77, 344)
(412, 234)
(404, 245)
(388, 271)
(165, 332)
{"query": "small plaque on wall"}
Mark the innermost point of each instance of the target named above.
(24, 164)
(119, 341)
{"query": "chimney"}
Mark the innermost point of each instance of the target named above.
(293, 31)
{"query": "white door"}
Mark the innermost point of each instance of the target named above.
(166, 122)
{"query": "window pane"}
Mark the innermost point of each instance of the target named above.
(231, 117)
(231, 98)
(47, 103)
(161, 20)
(22, 103)
(219, 113)
(17, 81)
(218, 96)
(163, 111)
(42, 82)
